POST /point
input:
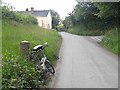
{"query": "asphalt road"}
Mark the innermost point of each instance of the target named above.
(84, 64)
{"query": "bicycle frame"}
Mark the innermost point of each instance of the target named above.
(44, 58)
(41, 61)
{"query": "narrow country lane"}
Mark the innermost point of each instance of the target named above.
(84, 64)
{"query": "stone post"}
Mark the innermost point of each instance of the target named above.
(24, 48)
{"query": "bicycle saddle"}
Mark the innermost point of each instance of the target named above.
(38, 47)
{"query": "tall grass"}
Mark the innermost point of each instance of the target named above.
(111, 40)
(17, 72)
(13, 34)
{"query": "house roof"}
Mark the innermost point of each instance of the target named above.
(42, 13)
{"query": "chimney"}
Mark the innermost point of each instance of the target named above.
(32, 9)
(26, 9)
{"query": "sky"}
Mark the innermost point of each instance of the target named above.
(63, 7)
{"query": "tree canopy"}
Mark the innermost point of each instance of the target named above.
(94, 14)
(55, 19)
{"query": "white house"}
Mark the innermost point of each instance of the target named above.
(43, 16)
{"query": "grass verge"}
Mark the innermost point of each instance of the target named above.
(17, 71)
(111, 41)
(81, 30)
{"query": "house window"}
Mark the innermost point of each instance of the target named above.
(42, 24)
(48, 25)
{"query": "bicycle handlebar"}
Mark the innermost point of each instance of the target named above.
(45, 44)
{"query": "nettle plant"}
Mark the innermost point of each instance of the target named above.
(17, 72)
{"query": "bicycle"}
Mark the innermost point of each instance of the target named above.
(41, 61)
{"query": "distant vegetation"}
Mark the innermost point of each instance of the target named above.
(97, 18)
(17, 72)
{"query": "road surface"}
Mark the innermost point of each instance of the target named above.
(84, 64)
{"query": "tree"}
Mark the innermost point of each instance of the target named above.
(109, 12)
(108, 9)
(55, 19)
(67, 22)
(94, 15)
(84, 12)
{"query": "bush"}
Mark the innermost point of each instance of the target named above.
(10, 15)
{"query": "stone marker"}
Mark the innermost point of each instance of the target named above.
(24, 47)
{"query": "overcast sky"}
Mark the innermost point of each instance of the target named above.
(63, 7)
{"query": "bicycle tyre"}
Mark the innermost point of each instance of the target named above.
(49, 67)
